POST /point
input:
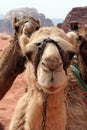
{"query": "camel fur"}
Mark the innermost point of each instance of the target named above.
(11, 61)
(75, 94)
(50, 78)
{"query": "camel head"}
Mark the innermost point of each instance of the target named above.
(49, 61)
(24, 27)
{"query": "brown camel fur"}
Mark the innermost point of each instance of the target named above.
(65, 109)
(11, 62)
(82, 57)
(45, 76)
(75, 95)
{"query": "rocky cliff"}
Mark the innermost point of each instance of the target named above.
(5, 24)
(78, 14)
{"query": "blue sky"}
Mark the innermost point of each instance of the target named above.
(51, 8)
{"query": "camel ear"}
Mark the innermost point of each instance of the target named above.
(14, 21)
(39, 21)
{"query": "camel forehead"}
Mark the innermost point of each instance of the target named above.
(27, 27)
(24, 20)
(27, 24)
(51, 50)
(44, 33)
(54, 33)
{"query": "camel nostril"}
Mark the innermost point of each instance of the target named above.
(52, 79)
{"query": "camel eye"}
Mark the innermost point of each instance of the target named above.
(17, 28)
(37, 28)
(25, 32)
(38, 44)
(44, 67)
(26, 21)
(29, 55)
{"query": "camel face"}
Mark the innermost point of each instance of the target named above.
(24, 27)
(50, 72)
(30, 26)
(49, 58)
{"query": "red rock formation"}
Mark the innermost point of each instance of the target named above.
(6, 26)
(76, 14)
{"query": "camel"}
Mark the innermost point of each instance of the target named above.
(54, 100)
(11, 61)
(24, 28)
(43, 106)
(76, 30)
(76, 91)
(77, 82)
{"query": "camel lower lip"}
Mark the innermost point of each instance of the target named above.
(51, 89)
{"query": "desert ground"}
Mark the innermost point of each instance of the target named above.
(8, 103)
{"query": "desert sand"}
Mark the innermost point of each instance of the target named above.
(8, 103)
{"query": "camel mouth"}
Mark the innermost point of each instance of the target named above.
(52, 89)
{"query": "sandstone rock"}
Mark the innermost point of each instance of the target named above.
(78, 14)
(5, 24)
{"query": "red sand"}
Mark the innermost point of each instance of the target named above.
(8, 103)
